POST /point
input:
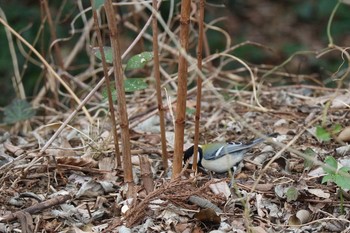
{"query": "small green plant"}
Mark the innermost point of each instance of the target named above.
(292, 194)
(338, 175)
(137, 61)
(190, 111)
(130, 85)
(18, 110)
(325, 135)
(311, 154)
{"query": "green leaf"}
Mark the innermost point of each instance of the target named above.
(310, 153)
(130, 85)
(292, 194)
(108, 53)
(342, 182)
(322, 134)
(344, 172)
(98, 4)
(105, 93)
(332, 162)
(139, 61)
(190, 111)
(134, 84)
(327, 178)
(18, 110)
(344, 169)
(336, 128)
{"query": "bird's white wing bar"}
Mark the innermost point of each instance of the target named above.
(217, 154)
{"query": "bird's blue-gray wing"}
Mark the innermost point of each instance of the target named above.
(219, 150)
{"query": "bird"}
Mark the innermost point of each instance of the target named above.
(220, 157)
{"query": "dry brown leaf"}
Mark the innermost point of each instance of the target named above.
(257, 230)
(345, 135)
(77, 161)
(221, 188)
(319, 193)
(301, 217)
(208, 216)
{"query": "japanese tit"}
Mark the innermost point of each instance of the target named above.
(221, 157)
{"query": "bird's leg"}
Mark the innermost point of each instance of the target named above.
(210, 174)
(232, 172)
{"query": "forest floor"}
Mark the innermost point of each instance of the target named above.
(73, 188)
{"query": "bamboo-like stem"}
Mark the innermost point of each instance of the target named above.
(122, 110)
(182, 88)
(199, 81)
(109, 93)
(158, 85)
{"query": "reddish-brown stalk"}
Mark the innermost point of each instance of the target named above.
(158, 85)
(122, 110)
(182, 88)
(199, 81)
(110, 100)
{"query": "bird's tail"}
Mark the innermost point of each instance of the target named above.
(259, 140)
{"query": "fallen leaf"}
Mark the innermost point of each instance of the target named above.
(319, 193)
(208, 216)
(344, 135)
(257, 230)
(221, 188)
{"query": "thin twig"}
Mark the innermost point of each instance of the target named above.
(109, 92)
(158, 86)
(199, 82)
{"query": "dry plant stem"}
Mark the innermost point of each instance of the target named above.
(68, 59)
(182, 88)
(110, 99)
(53, 34)
(123, 114)
(136, 18)
(53, 85)
(65, 123)
(79, 45)
(28, 55)
(16, 82)
(199, 81)
(339, 81)
(158, 86)
(37, 207)
(47, 66)
(87, 98)
(146, 174)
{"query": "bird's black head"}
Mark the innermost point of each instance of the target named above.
(188, 155)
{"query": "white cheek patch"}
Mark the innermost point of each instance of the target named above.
(190, 160)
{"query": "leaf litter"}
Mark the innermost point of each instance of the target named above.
(90, 196)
